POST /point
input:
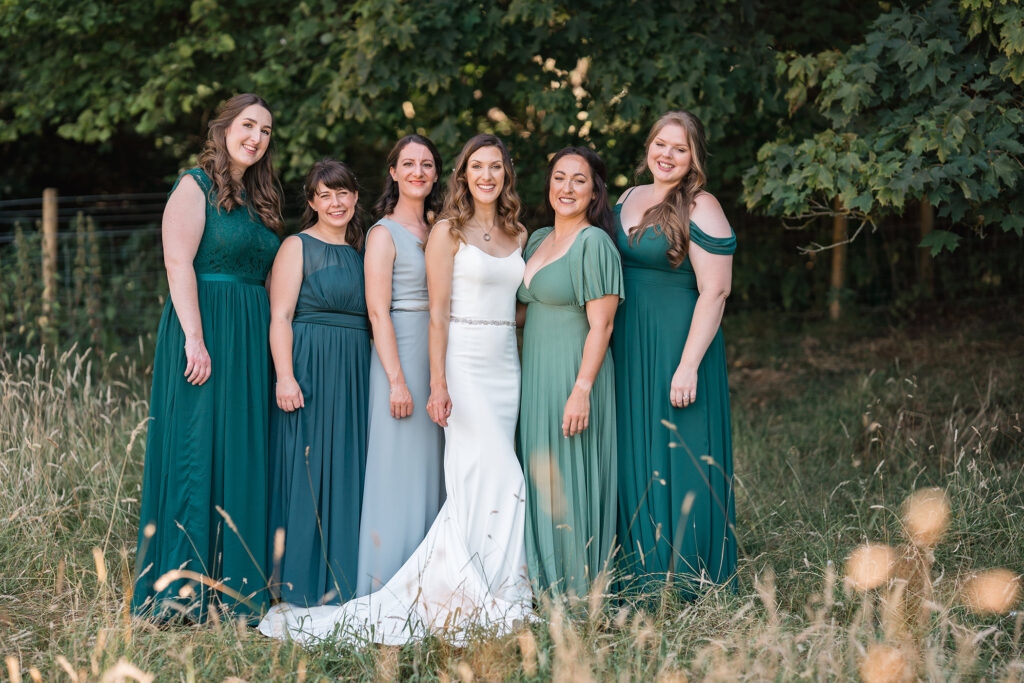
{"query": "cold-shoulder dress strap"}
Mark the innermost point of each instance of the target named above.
(595, 266)
(722, 246)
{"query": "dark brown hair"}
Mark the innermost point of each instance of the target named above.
(389, 197)
(259, 185)
(458, 205)
(335, 176)
(671, 216)
(598, 213)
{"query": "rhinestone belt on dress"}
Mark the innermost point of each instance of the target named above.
(477, 321)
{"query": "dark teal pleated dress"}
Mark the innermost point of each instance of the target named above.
(676, 503)
(318, 453)
(203, 517)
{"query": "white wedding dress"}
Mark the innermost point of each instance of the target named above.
(470, 570)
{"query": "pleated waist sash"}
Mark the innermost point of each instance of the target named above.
(354, 321)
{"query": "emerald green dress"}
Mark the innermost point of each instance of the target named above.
(661, 529)
(318, 452)
(206, 449)
(570, 482)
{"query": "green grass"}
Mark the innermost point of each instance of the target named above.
(834, 425)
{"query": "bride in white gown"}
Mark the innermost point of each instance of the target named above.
(470, 570)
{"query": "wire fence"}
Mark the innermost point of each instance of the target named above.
(109, 275)
(110, 283)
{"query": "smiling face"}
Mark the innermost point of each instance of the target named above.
(668, 156)
(572, 187)
(415, 171)
(248, 137)
(334, 208)
(485, 174)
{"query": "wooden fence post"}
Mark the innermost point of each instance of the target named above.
(49, 242)
(838, 277)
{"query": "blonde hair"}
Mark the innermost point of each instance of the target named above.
(671, 216)
(458, 205)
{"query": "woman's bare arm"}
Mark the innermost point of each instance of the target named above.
(182, 229)
(441, 248)
(286, 281)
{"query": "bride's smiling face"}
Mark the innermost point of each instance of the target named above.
(485, 175)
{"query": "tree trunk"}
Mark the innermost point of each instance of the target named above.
(838, 278)
(925, 272)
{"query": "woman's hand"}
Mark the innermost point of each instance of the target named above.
(401, 401)
(439, 405)
(197, 362)
(683, 390)
(576, 417)
(289, 395)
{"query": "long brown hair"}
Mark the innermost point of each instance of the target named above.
(671, 215)
(458, 205)
(598, 213)
(262, 191)
(388, 199)
(335, 176)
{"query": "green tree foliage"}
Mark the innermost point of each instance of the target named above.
(348, 79)
(928, 106)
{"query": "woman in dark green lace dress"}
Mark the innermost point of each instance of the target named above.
(320, 340)
(676, 502)
(203, 517)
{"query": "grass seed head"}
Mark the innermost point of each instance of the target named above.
(885, 664)
(101, 565)
(13, 669)
(278, 544)
(528, 650)
(926, 516)
(870, 566)
(992, 592)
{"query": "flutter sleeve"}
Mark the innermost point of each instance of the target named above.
(723, 246)
(596, 268)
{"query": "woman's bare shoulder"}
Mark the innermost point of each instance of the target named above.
(707, 213)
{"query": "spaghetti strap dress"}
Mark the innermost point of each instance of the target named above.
(676, 497)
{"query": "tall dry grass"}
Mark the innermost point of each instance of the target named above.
(880, 515)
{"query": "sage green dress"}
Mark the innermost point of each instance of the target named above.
(318, 452)
(676, 504)
(570, 482)
(204, 490)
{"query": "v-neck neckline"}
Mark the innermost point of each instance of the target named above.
(551, 263)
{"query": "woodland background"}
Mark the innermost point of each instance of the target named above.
(859, 374)
(904, 118)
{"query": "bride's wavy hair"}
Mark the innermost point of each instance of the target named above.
(335, 176)
(671, 215)
(598, 213)
(259, 190)
(458, 206)
(388, 199)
